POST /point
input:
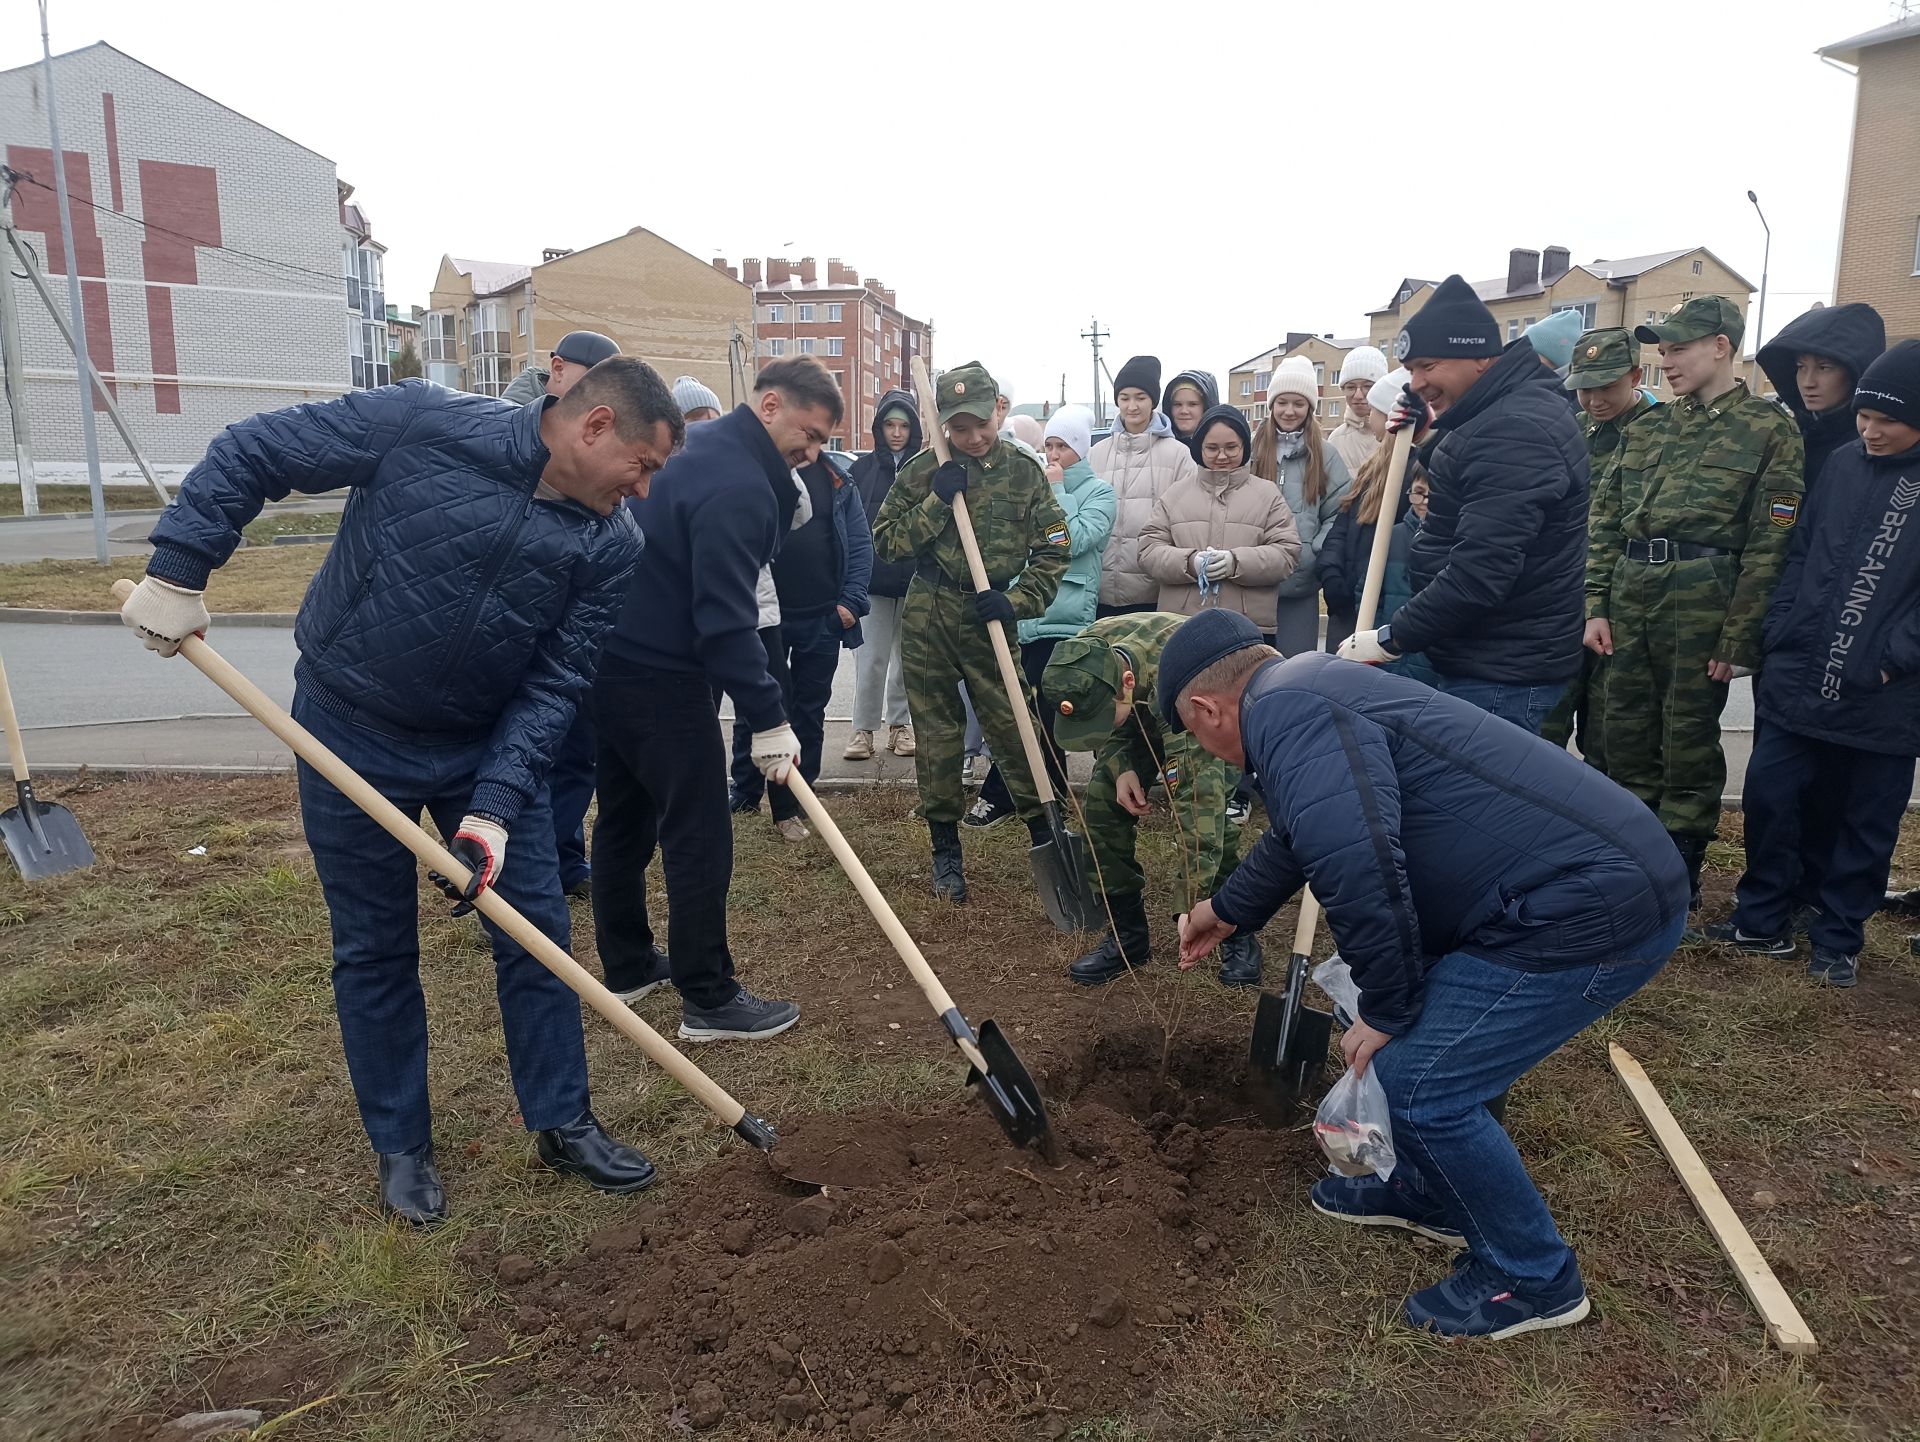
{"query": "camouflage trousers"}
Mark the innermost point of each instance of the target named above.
(1199, 786)
(1660, 713)
(941, 646)
(1577, 718)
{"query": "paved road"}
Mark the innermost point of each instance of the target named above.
(89, 694)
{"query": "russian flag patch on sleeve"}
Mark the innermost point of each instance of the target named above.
(1057, 535)
(1783, 511)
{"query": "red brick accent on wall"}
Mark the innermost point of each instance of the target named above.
(37, 207)
(113, 150)
(182, 210)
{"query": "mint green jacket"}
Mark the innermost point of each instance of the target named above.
(1090, 506)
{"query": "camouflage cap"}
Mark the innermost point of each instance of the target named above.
(1601, 357)
(1080, 684)
(1697, 319)
(966, 390)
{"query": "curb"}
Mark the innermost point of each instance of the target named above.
(36, 615)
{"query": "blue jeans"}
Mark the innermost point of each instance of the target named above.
(1525, 706)
(372, 886)
(571, 785)
(1481, 1027)
(812, 656)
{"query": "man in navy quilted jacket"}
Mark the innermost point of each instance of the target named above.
(1493, 894)
(444, 647)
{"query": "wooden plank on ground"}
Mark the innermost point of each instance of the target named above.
(1785, 1325)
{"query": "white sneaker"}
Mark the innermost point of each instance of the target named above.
(900, 741)
(792, 829)
(860, 748)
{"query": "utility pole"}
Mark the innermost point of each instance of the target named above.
(1096, 335)
(16, 379)
(84, 366)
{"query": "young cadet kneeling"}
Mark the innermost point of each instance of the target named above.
(1494, 895)
(1091, 683)
(1023, 539)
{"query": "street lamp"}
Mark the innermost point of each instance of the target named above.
(1766, 256)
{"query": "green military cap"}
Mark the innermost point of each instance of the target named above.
(1601, 357)
(1699, 318)
(1081, 683)
(966, 390)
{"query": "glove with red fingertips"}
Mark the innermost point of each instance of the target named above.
(1409, 410)
(480, 845)
(1370, 647)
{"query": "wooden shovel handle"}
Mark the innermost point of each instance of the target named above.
(877, 904)
(1369, 605)
(976, 569)
(16, 748)
(217, 669)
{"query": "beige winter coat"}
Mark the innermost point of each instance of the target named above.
(1353, 443)
(1140, 469)
(1227, 511)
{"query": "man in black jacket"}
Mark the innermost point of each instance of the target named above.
(1499, 566)
(1837, 705)
(714, 517)
(444, 647)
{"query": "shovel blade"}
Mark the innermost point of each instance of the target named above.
(1010, 1092)
(1060, 871)
(44, 839)
(1288, 1052)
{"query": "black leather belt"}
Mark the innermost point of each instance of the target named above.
(1660, 550)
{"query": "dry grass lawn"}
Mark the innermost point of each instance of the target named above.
(265, 578)
(66, 499)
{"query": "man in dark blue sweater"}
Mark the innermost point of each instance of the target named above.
(1493, 895)
(689, 627)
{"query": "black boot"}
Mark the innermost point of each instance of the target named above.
(410, 1186)
(1124, 945)
(1693, 851)
(1241, 960)
(583, 1149)
(949, 874)
(1902, 903)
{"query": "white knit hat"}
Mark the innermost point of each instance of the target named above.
(1363, 363)
(690, 395)
(1294, 377)
(1073, 426)
(1387, 390)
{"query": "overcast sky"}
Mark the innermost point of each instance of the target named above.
(1014, 170)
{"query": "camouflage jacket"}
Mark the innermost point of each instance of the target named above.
(1724, 473)
(1020, 528)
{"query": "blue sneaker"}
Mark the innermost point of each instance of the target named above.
(1477, 1301)
(1835, 968)
(1369, 1202)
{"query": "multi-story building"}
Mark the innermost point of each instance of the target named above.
(1629, 292)
(361, 257)
(486, 319)
(403, 330)
(855, 327)
(209, 249)
(1880, 227)
(1247, 381)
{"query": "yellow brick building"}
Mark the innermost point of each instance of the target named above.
(1880, 227)
(1247, 381)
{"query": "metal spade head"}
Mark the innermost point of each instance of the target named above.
(43, 839)
(1288, 1053)
(1060, 871)
(1010, 1092)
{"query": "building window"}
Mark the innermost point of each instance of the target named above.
(1246, 389)
(1916, 248)
(1530, 320)
(839, 381)
(1697, 267)
(876, 385)
(776, 345)
(1333, 408)
(437, 337)
(1652, 376)
(1587, 308)
(1513, 330)
(836, 346)
(520, 321)
(806, 345)
(1319, 375)
(873, 354)
(876, 322)
(776, 315)
(806, 312)
(834, 309)
(1260, 379)
(1650, 315)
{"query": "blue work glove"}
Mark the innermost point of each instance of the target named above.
(950, 480)
(985, 606)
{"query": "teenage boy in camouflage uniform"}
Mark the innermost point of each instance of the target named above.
(1092, 683)
(1022, 534)
(1605, 374)
(1688, 535)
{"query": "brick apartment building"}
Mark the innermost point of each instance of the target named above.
(210, 251)
(363, 260)
(855, 327)
(1538, 283)
(1880, 227)
(484, 319)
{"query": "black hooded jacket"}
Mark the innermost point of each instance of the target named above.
(1209, 392)
(873, 476)
(1854, 335)
(1499, 566)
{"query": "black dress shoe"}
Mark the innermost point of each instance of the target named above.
(1902, 903)
(1241, 960)
(410, 1186)
(583, 1149)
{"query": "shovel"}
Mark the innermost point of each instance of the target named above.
(1060, 862)
(995, 1071)
(43, 839)
(489, 903)
(1288, 1053)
